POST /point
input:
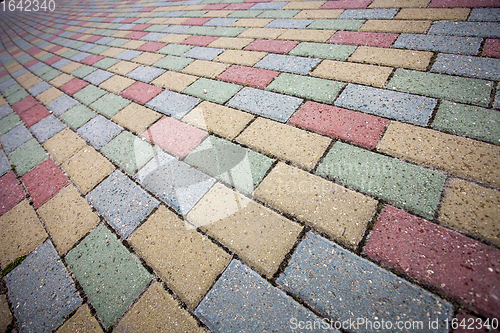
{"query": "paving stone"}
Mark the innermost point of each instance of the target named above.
(123, 67)
(401, 106)
(15, 138)
(27, 156)
(204, 53)
(47, 128)
(5, 314)
(141, 92)
(461, 3)
(254, 77)
(9, 122)
(205, 68)
(433, 14)
(245, 13)
(98, 76)
(39, 88)
(314, 271)
(12, 193)
(477, 67)
(309, 35)
(455, 265)
(61, 104)
(4, 163)
(73, 86)
(289, 23)
(324, 51)
(212, 90)
(234, 296)
(343, 4)
(474, 29)
(127, 55)
(136, 118)
(199, 40)
(77, 116)
(379, 39)
(451, 44)
(173, 62)
(42, 290)
(110, 275)
(63, 145)
(89, 94)
(274, 46)
(92, 59)
(447, 152)
(148, 58)
(250, 22)
(106, 63)
(392, 57)
(81, 321)
(99, 131)
(80, 71)
(377, 14)
(173, 103)
(384, 177)
(5, 110)
(145, 73)
(116, 84)
(484, 14)
(247, 58)
(491, 48)
(175, 49)
(320, 90)
(397, 26)
(288, 63)
(221, 22)
(471, 121)
(110, 104)
(21, 94)
(157, 310)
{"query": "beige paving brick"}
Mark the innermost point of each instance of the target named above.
(71, 67)
(460, 156)
(81, 321)
(433, 14)
(251, 23)
(230, 43)
(257, 234)
(136, 117)
(2, 101)
(240, 57)
(309, 35)
(62, 51)
(265, 33)
(185, 259)
(40, 54)
(20, 232)
(471, 209)
(121, 33)
(28, 80)
(90, 31)
(13, 67)
(123, 67)
(392, 57)
(84, 37)
(63, 145)
(103, 26)
(148, 58)
(289, 143)
(5, 314)
(68, 217)
(133, 44)
(205, 68)
(175, 20)
(87, 168)
(341, 213)
(157, 311)
(174, 81)
(49, 95)
(304, 5)
(174, 38)
(112, 52)
(397, 26)
(399, 4)
(61, 79)
(351, 72)
(218, 13)
(117, 83)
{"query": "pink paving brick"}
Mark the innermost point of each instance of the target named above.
(90, 60)
(136, 35)
(274, 46)
(174, 136)
(464, 3)
(255, 77)
(93, 39)
(44, 181)
(457, 266)
(109, 19)
(52, 60)
(24, 104)
(199, 40)
(346, 4)
(51, 38)
(147, 9)
(356, 127)
(55, 48)
(76, 36)
(468, 323)
(3, 73)
(215, 6)
(11, 192)
(239, 6)
(73, 86)
(151, 46)
(141, 92)
(16, 52)
(129, 20)
(31, 63)
(34, 115)
(380, 39)
(196, 21)
(140, 27)
(32, 50)
(492, 48)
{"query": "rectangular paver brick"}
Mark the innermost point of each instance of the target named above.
(141, 92)
(270, 45)
(324, 51)
(433, 14)
(374, 14)
(380, 39)
(173, 103)
(212, 90)
(109, 104)
(477, 67)
(255, 77)
(63, 145)
(288, 63)
(77, 116)
(451, 44)
(392, 57)
(473, 29)
(209, 69)
(173, 62)
(27, 156)
(15, 138)
(12, 193)
(240, 57)
(136, 117)
(397, 26)
(352, 72)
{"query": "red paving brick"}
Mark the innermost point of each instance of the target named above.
(44, 181)
(141, 92)
(52, 60)
(76, 36)
(140, 27)
(492, 48)
(11, 192)
(129, 20)
(464, 3)
(24, 104)
(239, 6)
(255, 77)
(352, 126)
(90, 60)
(459, 267)
(136, 35)
(380, 39)
(3, 73)
(346, 4)
(55, 48)
(274, 46)
(31, 63)
(199, 40)
(151, 46)
(34, 115)
(73, 86)
(174, 136)
(93, 39)
(196, 21)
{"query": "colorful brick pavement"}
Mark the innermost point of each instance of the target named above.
(250, 166)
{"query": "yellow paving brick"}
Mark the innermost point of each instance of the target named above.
(48, 47)
(218, 119)
(20, 232)
(399, 4)
(61, 79)
(205, 68)
(28, 80)
(71, 67)
(341, 213)
(123, 67)
(121, 33)
(62, 51)
(174, 81)
(392, 57)
(397, 26)
(84, 37)
(351, 72)
(304, 5)
(104, 26)
(289, 143)
(40, 54)
(116, 84)
(90, 31)
(471, 209)
(217, 13)
(81, 321)
(148, 58)
(133, 44)
(68, 217)
(174, 38)
(175, 20)
(112, 52)
(460, 156)
(433, 14)
(49, 95)
(136, 117)
(265, 33)
(251, 22)
(14, 67)
(246, 58)
(230, 43)
(255, 233)
(309, 35)
(185, 259)
(2, 101)
(63, 145)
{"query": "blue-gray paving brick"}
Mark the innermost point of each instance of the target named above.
(15, 138)
(265, 103)
(128, 54)
(477, 29)
(373, 14)
(39, 88)
(122, 203)
(175, 13)
(242, 301)
(61, 104)
(220, 22)
(173, 104)
(126, 26)
(389, 104)
(484, 14)
(80, 56)
(4, 163)
(496, 104)
(36, 66)
(85, 47)
(477, 67)
(153, 36)
(289, 23)
(104, 40)
(145, 73)
(47, 128)
(99, 131)
(176, 29)
(267, 5)
(450, 44)
(7, 84)
(288, 63)
(176, 183)
(19, 72)
(343, 286)
(41, 291)
(61, 63)
(97, 77)
(5, 110)
(204, 53)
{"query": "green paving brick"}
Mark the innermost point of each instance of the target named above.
(405, 185)
(110, 104)
(195, 13)
(106, 63)
(324, 51)
(471, 121)
(199, 30)
(110, 275)
(77, 116)
(12, 89)
(173, 63)
(77, 45)
(27, 156)
(245, 13)
(98, 49)
(46, 56)
(156, 27)
(319, 90)
(350, 25)
(141, 20)
(279, 14)
(83, 71)
(212, 90)
(17, 96)
(240, 167)
(104, 32)
(118, 42)
(52, 74)
(5, 78)
(114, 26)
(70, 53)
(175, 49)
(458, 89)
(9, 122)
(89, 94)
